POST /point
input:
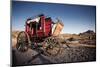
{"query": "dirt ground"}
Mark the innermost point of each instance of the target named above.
(68, 55)
(77, 52)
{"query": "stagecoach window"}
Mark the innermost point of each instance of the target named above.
(34, 25)
(48, 19)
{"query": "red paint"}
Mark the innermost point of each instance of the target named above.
(44, 28)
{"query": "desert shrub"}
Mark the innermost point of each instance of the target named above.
(71, 39)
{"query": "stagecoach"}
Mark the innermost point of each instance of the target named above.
(40, 33)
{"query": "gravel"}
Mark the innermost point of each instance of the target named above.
(68, 55)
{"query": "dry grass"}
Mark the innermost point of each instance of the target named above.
(63, 39)
(14, 38)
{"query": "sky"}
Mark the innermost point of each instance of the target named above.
(76, 18)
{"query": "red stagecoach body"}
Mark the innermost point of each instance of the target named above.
(39, 27)
(40, 32)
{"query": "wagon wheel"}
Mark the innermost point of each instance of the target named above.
(52, 46)
(22, 42)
